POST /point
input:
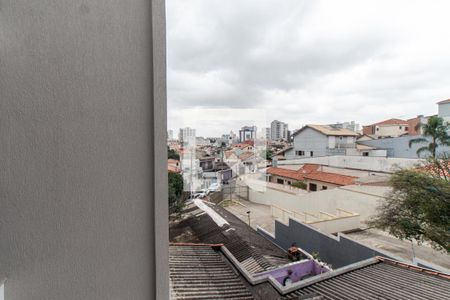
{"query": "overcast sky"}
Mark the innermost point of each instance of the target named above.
(304, 61)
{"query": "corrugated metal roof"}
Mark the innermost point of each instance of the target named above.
(200, 272)
(381, 280)
(252, 250)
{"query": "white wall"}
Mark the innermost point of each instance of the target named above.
(338, 225)
(390, 130)
(376, 164)
(327, 201)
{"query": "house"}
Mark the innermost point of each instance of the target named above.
(321, 140)
(444, 110)
(311, 175)
(173, 166)
(414, 125)
(387, 128)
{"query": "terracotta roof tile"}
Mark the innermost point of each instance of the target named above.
(333, 178)
(310, 171)
(391, 122)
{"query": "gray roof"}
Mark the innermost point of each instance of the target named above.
(200, 272)
(252, 250)
(383, 279)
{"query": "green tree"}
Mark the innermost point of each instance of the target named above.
(419, 205)
(299, 184)
(176, 202)
(172, 154)
(267, 154)
(435, 129)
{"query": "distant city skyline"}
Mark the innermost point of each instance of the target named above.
(305, 62)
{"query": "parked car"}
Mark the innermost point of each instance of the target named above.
(214, 187)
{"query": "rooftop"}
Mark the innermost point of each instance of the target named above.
(312, 172)
(377, 278)
(200, 271)
(391, 122)
(328, 130)
(251, 249)
(444, 101)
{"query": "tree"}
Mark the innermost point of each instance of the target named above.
(172, 154)
(437, 131)
(176, 202)
(300, 185)
(267, 154)
(419, 205)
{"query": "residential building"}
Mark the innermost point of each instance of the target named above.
(278, 131)
(414, 125)
(322, 140)
(170, 134)
(247, 133)
(353, 126)
(173, 165)
(444, 110)
(398, 147)
(387, 128)
(266, 133)
(186, 136)
(312, 175)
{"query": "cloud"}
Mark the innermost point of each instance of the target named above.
(308, 61)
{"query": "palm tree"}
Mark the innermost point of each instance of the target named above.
(437, 131)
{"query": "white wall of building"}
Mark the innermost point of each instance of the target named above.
(359, 200)
(391, 130)
(376, 164)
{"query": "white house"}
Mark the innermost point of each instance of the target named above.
(444, 110)
(321, 140)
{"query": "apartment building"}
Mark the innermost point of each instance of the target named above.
(278, 130)
(387, 128)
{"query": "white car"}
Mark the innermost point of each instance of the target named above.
(214, 187)
(199, 195)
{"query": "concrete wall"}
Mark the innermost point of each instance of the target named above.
(82, 150)
(399, 147)
(375, 164)
(338, 251)
(363, 203)
(310, 140)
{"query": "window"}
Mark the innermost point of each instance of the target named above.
(313, 187)
(280, 181)
(406, 128)
(378, 129)
(324, 187)
(365, 154)
(311, 153)
(300, 153)
(289, 182)
(400, 127)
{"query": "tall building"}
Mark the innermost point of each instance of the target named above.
(186, 136)
(346, 125)
(278, 130)
(247, 133)
(170, 134)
